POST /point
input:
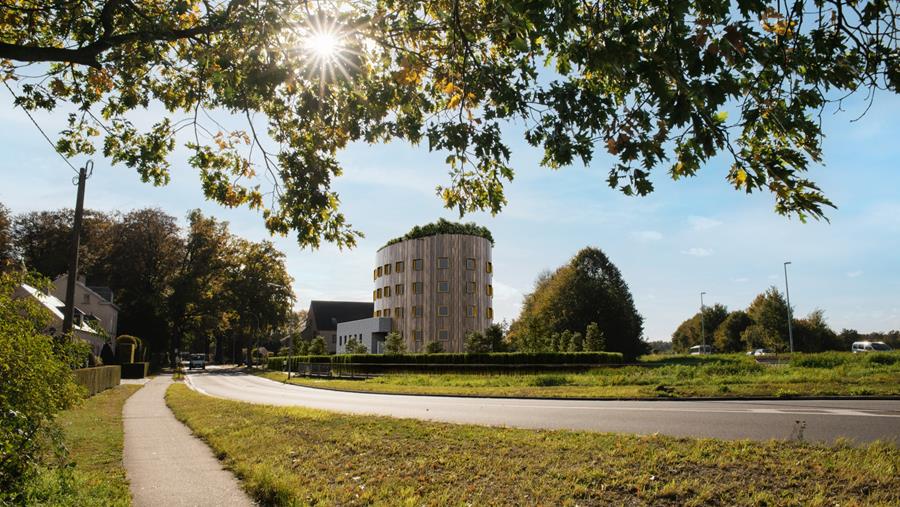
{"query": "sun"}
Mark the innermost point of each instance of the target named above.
(324, 45)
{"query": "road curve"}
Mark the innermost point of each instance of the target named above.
(858, 420)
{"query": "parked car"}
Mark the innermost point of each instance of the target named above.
(760, 352)
(696, 350)
(197, 361)
(870, 347)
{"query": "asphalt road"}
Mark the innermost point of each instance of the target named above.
(821, 420)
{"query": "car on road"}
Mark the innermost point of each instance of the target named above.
(760, 352)
(696, 350)
(870, 347)
(197, 361)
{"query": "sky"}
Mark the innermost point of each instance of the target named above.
(689, 236)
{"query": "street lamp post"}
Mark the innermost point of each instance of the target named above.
(702, 326)
(787, 293)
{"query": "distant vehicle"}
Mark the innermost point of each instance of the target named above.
(197, 361)
(696, 350)
(870, 347)
(760, 352)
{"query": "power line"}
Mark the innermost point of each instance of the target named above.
(66, 160)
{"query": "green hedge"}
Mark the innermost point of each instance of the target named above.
(443, 226)
(135, 370)
(98, 379)
(452, 359)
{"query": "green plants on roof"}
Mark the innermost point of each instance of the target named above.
(443, 226)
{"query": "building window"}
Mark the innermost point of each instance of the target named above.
(378, 294)
(470, 287)
(470, 264)
(417, 264)
(417, 287)
(471, 311)
(443, 311)
(443, 263)
(398, 312)
(387, 291)
(490, 313)
(386, 312)
(378, 313)
(374, 295)
(387, 269)
(398, 289)
(444, 334)
(398, 266)
(374, 274)
(443, 287)
(489, 267)
(378, 272)
(489, 289)
(417, 311)
(417, 335)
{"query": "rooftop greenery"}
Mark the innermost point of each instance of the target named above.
(444, 227)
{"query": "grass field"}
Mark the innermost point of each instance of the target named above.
(94, 437)
(826, 374)
(296, 456)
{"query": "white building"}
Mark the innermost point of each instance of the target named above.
(95, 302)
(56, 307)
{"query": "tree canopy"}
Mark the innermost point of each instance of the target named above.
(658, 85)
(443, 226)
(589, 289)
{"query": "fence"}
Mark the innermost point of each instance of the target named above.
(98, 379)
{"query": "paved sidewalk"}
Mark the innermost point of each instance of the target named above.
(165, 463)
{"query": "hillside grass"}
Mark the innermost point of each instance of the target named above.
(297, 456)
(92, 473)
(735, 375)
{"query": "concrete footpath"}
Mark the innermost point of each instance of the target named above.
(165, 463)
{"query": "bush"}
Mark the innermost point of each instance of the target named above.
(549, 381)
(434, 348)
(36, 383)
(821, 360)
(443, 226)
(489, 358)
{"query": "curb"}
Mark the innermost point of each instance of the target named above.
(560, 398)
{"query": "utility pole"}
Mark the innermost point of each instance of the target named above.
(787, 293)
(69, 315)
(702, 326)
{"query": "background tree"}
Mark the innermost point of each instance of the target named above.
(769, 310)
(494, 335)
(812, 334)
(43, 240)
(355, 347)
(316, 346)
(594, 339)
(727, 337)
(688, 334)
(394, 344)
(434, 347)
(847, 337)
(653, 94)
(477, 343)
(588, 289)
(7, 252)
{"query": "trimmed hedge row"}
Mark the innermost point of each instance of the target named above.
(135, 370)
(483, 359)
(97, 379)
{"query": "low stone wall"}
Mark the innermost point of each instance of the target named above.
(98, 379)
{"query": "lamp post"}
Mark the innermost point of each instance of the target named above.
(702, 326)
(787, 293)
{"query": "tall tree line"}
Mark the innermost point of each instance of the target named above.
(177, 288)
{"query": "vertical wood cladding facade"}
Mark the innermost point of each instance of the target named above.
(463, 289)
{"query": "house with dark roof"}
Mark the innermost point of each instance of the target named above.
(323, 318)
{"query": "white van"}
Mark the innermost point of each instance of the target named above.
(870, 347)
(696, 350)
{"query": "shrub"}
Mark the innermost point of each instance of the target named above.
(434, 348)
(549, 381)
(394, 344)
(135, 370)
(36, 383)
(821, 360)
(490, 358)
(443, 226)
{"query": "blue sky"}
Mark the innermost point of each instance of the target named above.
(689, 236)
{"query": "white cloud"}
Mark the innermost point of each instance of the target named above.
(742, 279)
(646, 236)
(854, 274)
(698, 252)
(703, 223)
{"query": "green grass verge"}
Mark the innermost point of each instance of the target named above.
(93, 473)
(830, 374)
(297, 456)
